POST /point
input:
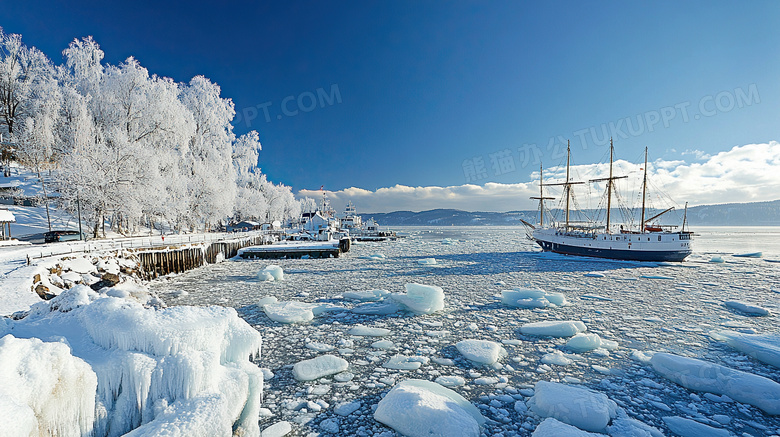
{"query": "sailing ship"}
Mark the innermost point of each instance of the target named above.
(645, 243)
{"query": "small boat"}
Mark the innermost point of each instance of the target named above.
(645, 243)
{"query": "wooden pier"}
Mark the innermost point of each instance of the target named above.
(297, 249)
(177, 259)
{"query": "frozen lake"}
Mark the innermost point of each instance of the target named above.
(643, 307)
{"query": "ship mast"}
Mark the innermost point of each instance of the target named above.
(644, 193)
(609, 184)
(567, 185)
(541, 197)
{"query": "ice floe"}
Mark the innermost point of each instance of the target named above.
(417, 408)
(532, 298)
(271, 273)
(709, 377)
(576, 406)
(685, 427)
(368, 331)
(554, 328)
(370, 295)
(763, 347)
(421, 299)
(551, 427)
(587, 342)
(323, 365)
(750, 309)
(481, 351)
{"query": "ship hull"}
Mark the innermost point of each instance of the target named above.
(617, 254)
(673, 247)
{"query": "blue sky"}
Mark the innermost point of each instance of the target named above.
(431, 94)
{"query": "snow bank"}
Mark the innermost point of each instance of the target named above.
(163, 369)
(588, 342)
(417, 408)
(45, 389)
(705, 376)
(481, 351)
(532, 298)
(323, 365)
(271, 273)
(763, 347)
(753, 310)
(554, 328)
(576, 406)
(555, 428)
(421, 299)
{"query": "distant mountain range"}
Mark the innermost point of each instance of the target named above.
(729, 214)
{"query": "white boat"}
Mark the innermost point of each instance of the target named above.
(644, 243)
(360, 231)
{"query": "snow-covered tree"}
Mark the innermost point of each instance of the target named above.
(208, 161)
(133, 149)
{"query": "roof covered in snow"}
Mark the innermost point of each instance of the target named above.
(6, 216)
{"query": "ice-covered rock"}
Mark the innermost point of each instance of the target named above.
(417, 408)
(690, 428)
(531, 298)
(587, 342)
(323, 365)
(763, 347)
(364, 296)
(481, 351)
(750, 309)
(580, 407)
(79, 264)
(368, 331)
(551, 427)
(171, 368)
(45, 388)
(554, 328)
(709, 377)
(421, 299)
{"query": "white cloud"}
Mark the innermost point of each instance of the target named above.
(747, 173)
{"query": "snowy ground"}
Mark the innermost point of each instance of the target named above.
(644, 308)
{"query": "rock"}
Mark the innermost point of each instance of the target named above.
(43, 292)
(110, 277)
